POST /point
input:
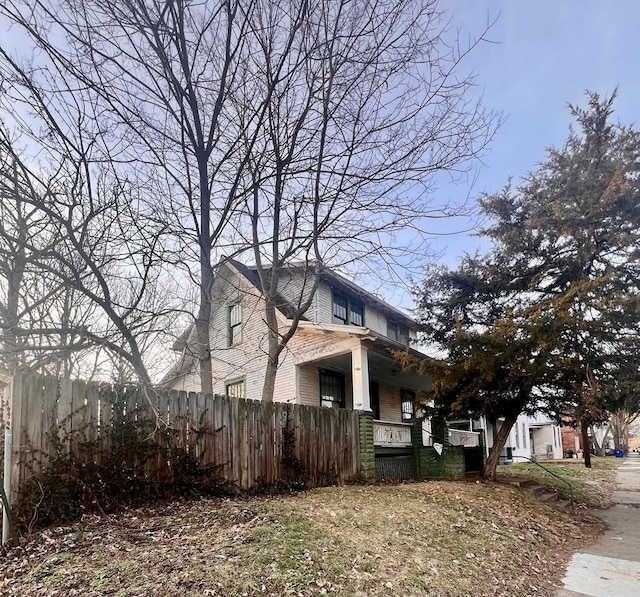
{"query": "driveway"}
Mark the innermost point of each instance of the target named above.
(611, 567)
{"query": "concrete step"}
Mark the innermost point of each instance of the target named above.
(516, 482)
(536, 489)
(548, 496)
(542, 493)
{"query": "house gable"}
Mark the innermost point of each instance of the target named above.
(296, 282)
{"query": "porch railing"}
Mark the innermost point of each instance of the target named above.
(458, 437)
(391, 435)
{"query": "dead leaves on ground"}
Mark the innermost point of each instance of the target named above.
(432, 538)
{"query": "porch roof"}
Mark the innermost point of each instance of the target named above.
(382, 366)
(363, 333)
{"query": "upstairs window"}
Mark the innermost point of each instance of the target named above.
(331, 389)
(407, 402)
(340, 308)
(347, 310)
(235, 324)
(356, 313)
(398, 332)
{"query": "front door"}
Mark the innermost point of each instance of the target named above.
(374, 398)
(532, 446)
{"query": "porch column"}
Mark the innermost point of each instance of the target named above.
(360, 375)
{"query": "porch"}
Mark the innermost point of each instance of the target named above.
(360, 374)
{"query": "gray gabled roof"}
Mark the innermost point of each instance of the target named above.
(334, 280)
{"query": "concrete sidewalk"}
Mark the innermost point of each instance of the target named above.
(611, 567)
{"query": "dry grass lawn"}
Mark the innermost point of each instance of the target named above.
(427, 539)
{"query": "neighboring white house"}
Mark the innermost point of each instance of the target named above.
(535, 438)
(340, 355)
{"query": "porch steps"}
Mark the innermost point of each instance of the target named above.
(544, 494)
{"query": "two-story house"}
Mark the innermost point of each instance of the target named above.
(339, 356)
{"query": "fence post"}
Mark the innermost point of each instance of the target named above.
(16, 426)
(6, 488)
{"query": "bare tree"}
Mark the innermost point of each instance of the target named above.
(78, 273)
(365, 106)
(295, 115)
(161, 73)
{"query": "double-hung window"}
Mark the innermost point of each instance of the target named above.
(331, 389)
(347, 310)
(235, 324)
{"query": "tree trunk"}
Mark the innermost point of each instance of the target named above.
(203, 330)
(586, 449)
(203, 321)
(489, 470)
(273, 356)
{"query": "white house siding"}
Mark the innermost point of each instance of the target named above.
(547, 436)
(519, 439)
(285, 386)
(309, 393)
(375, 321)
(189, 382)
(543, 432)
(295, 289)
(309, 386)
(247, 359)
(324, 304)
(490, 429)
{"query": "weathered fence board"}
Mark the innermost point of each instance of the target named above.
(243, 440)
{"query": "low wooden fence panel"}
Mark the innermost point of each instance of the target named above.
(250, 443)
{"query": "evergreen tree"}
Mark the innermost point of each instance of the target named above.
(550, 318)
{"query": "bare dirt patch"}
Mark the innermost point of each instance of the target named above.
(428, 539)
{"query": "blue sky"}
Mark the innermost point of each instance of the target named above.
(543, 54)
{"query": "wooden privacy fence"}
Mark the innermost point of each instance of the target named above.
(250, 443)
